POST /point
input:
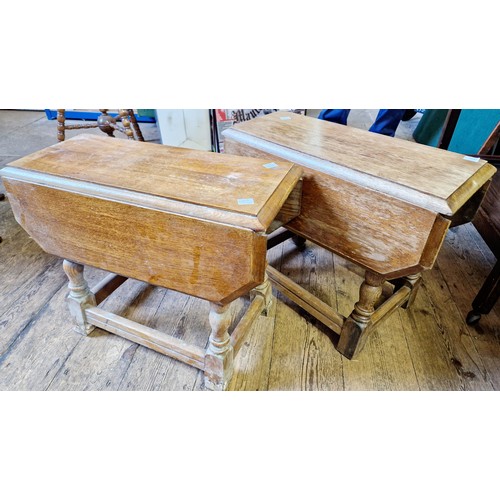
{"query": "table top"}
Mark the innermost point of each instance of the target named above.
(428, 177)
(242, 191)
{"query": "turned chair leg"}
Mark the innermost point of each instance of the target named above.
(219, 355)
(135, 125)
(127, 129)
(356, 327)
(61, 122)
(80, 297)
(106, 123)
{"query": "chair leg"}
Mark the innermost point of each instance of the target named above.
(487, 297)
(61, 128)
(135, 125)
(106, 123)
(126, 128)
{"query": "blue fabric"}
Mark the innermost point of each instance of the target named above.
(386, 123)
(335, 115)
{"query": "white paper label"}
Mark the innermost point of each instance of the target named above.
(285, 118)
(471, 158)
(271, 165)
(245, 201)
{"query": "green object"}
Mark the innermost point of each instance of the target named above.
(428, 130)
(473, 128)
(146, 112)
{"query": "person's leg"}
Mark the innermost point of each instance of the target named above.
(387, 121)
(409, 114)
(334, 115)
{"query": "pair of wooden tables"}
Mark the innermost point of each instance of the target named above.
(199, 223)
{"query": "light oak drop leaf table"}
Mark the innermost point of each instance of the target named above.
(380, 202)
(190, 221)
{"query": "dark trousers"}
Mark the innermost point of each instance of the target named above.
(386, 123)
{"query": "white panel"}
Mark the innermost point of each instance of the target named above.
(188, 128)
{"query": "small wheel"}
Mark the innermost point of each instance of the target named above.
(2, 196)
(473, 317)
(299, 241)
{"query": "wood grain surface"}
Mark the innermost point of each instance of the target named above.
(428, 347)
(425, 176)
(216, 262)
(381, 233)
(187, 220)
(374, 200)
(195, 177)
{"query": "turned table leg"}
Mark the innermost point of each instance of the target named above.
(266, 291)
(219, 355)
(355, 328)
(80, 297)
(413, 281)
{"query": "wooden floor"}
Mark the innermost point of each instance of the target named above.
(429, 347)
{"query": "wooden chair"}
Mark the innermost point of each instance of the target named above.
(107, 123)
(487, 222)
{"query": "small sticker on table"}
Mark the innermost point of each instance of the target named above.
(285, 118)
(471, 158)
(245, 201)
(271, 165)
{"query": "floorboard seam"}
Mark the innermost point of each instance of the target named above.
(400, 312)
(27, 327)
(278, 265)
(63, 364)
(137, 301)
